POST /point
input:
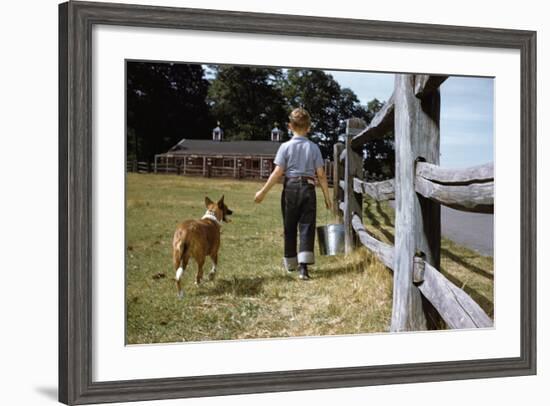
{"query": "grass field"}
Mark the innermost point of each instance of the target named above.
(252, 297)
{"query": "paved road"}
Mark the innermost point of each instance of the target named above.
(473, 230)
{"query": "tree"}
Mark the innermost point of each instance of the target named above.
(246, 101)
(318, 93)
(349, 106)
(165, 102)
(328, 104)
(379, 163)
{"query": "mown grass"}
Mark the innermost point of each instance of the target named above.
(252, 297)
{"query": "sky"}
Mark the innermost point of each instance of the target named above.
(466, 113)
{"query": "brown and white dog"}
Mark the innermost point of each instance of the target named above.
(198, 239)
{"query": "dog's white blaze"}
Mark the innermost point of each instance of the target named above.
(179, 272)
(213, 270)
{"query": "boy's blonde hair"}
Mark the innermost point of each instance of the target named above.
(300, 120)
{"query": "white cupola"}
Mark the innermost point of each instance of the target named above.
(217, 133)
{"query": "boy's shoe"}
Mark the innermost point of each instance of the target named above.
(304, 275)
(289, 266)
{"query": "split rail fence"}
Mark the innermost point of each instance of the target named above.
(419, 188)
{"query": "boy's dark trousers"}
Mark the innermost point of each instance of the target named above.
(299, 206)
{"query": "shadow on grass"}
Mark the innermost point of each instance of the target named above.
(466, 264)
(373, 221)
(334, 270)
(236, 286)
(370, 215)
(387, 220)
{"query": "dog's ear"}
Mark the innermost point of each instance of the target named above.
(220, 202)
(207, 201)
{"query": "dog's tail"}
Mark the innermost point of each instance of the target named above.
(181, 248)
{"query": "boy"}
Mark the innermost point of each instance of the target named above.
(299, 160)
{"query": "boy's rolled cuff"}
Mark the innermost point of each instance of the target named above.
(306, 257)
(290, 263)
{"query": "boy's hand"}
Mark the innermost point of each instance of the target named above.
(328, 203)
(259, 196)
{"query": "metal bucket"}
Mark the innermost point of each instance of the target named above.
(331, 239)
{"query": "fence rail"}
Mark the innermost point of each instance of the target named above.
(378, 127)
(474, 174)
(477, 197)
(420, 187)
(383, 190)
(384, 252)
(198, 167)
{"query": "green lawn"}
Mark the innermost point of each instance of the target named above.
(252, 296)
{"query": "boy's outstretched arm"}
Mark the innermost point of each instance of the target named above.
(273, 178)
(322, 177)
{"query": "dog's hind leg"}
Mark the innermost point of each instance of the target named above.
(180, 261)
(200, 264)
(212, 273)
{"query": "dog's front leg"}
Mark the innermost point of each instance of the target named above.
(212, 273)
(200, 263)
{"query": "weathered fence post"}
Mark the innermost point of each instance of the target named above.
(337, 175)
(353, 167)
(417, 220)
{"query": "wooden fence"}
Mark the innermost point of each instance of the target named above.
(419, 188)
(205, 168)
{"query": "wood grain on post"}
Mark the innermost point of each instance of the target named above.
(338, 173)
(418, 222)
(353, 202)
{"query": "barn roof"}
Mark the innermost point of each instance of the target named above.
(209, 147)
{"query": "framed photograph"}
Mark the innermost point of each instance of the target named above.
(262, 202)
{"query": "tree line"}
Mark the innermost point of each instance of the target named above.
(170, 101)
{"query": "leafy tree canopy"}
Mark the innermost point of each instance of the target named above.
(379, 162)
(247, 101)
(328, 104)
(165, 102)
(168, 101)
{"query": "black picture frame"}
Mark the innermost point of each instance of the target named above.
(76, 20)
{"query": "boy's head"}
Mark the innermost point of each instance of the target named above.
(300, 121)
